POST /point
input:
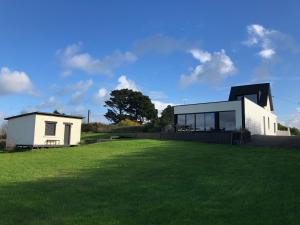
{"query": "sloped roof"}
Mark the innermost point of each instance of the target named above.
(262, 90)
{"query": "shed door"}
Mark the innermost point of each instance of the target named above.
(67, 134)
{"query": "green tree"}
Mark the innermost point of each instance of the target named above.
(282, 127)
(129, 104)
(167, 116)
(294, 131)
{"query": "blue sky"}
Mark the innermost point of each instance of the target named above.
(69, 55)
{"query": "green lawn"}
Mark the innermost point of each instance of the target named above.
(151, 182)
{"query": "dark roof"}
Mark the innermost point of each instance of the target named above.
(44, 113)
(263, 92)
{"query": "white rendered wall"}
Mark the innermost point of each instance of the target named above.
(213, 107)
(40, 138)
(20, 131)
(254, 121)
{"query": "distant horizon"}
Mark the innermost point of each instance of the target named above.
(68, 56)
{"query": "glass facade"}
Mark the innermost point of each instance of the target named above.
(181, 120)
(200, 125)
(227, 120)
(190, 121)
(207, 121)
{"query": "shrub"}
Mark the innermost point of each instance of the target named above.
(2, 145)
(128, 123)
(96, 127)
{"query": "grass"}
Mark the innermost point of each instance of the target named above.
(151, 182)
(95, 135)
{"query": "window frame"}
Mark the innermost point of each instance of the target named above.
(229, 111)
(50, 122)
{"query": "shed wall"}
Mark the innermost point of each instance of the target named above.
(20, 131)
(41, 139)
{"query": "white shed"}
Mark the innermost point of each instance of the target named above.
(39, 129)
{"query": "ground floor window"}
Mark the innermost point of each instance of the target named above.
(200, 124)
(181, 120)
(227, 120)
(210, 121)
(190, 121)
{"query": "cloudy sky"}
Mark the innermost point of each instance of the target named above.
(69, 55)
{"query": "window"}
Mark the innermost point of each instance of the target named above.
(200, 122)
(274, 127)
(50, 128)
(252, 97)
(209, 121)
(181, 120)
(196, 122)
(227, 120)
(268, 123)
(190, 121)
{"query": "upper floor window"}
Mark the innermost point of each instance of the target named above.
(252, 97)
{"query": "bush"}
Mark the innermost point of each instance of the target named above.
(2, 145)
(95, 127)
(128, 123)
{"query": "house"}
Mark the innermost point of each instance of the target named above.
(248, 106)
(39, 129)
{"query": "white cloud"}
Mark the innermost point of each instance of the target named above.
(14, 82)
(124, 83)
(80, 86)
(267, 53)
(294, 121)
(213, 68)
(157, 95)
(100, 96)
(77, 97)
(72, 58)
(160, 106)
(50, 103)
(269, 41)
(201, 55)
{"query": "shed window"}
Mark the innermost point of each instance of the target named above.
(50, 128)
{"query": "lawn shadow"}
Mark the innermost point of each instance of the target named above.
(174, 183)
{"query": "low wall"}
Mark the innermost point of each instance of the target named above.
(275, 141)
(208, 137)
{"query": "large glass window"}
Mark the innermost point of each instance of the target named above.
(200, 125)
(227, 120)
(190, 121)
(209, 121)
(181, 120)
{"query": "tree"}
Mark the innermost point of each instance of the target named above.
(167, 116)
(294, 131)
(282, 127)
(129, 104)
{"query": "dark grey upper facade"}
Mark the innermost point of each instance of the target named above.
(259, 93)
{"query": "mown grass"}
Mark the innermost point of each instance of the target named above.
(151, 182)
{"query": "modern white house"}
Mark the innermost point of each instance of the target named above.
(248, 107)
(39, 129)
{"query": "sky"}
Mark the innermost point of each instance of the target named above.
(69, 55)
